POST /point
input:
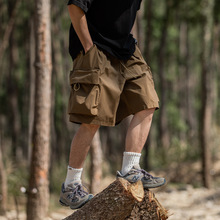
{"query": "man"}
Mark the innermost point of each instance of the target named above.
(110, 80)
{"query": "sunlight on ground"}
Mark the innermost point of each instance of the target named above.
(191, 203)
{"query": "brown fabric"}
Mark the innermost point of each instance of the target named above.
(105, 90)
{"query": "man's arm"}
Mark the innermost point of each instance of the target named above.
(80, 25)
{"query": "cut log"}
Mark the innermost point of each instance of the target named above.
(115, 202)
(148, 209)
(119, 201)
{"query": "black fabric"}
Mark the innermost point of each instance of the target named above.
(110, 23)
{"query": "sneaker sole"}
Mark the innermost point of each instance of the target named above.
(145, 186)
(63, 204)
(152, 187)
(76, 207)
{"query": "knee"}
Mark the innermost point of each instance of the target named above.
(91, 127)
(146, 114)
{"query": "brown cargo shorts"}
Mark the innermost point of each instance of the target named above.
(105, 90)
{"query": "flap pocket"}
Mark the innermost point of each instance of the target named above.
(85, 93)
(85, 77)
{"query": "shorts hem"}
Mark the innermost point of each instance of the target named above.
(79, 119)
(141, 108)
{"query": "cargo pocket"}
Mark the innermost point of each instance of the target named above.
(85, 92)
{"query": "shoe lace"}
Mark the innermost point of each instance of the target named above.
(146, 174)
(78, 191)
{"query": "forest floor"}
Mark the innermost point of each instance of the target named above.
(183, 201)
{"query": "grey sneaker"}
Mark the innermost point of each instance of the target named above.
(74, 196)
(136, 173)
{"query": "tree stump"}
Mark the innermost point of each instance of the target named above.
(121, 200)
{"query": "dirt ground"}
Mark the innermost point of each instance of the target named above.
(189, 203)
(184, 202)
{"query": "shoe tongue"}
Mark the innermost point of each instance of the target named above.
(137, 166)
(74, 184)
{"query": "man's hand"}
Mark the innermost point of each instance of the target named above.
(80, 25)
(88, 48)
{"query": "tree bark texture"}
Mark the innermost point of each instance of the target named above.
(206, 111)
(3, 180)
(119, 201)
(8, 31)
(190, 117)
(38, 193)
(60, 87)
(12, 87)
(185, 85)
(215, 59)
(148, 15)
(163, 124)
(31, 91)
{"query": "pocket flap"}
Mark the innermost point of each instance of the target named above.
(83, 76)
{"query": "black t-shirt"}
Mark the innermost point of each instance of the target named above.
(110, 23)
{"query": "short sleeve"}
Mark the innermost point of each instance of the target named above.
(83, 4)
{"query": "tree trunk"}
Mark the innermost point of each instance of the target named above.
(60, 133)
(13, 92)
(215, 60)
(189, 91)
(38, 193)
(121, 200)
(148, 6)
(8, 31)
(148, 17)
(96, 164)
(3, 178)
(163, 127)
(62, 128)
(123, 132)
(31, 91)
(206, 110)
(137, 30)
(183, 86)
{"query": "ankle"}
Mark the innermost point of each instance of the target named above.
(73, 176)
(129, 160)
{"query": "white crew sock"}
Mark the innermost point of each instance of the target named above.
(129, 160)
(73, 175)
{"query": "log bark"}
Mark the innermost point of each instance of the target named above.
(119, 201)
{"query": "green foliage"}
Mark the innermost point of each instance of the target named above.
(176, 123)
(17, 177)
(57, 176)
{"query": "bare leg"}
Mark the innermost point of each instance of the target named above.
(138, 130)
(81, 144)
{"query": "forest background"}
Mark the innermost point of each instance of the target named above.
(179, 40)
